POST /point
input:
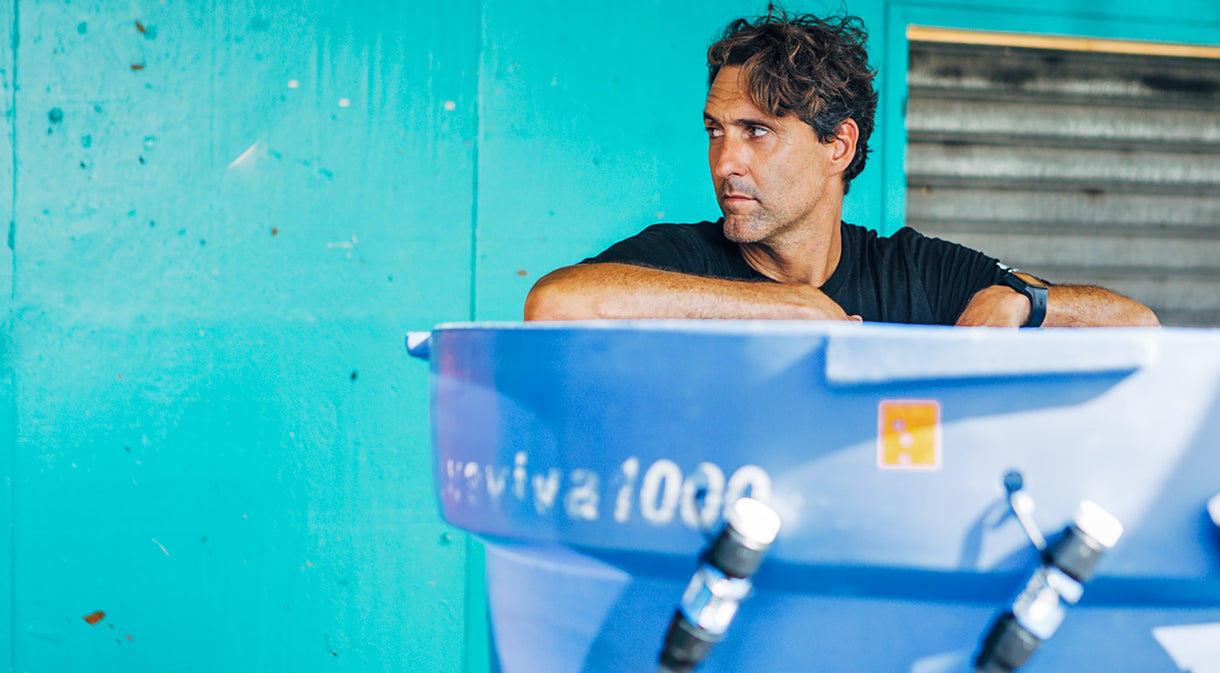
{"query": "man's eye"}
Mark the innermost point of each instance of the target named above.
(713, 132)
(757, 131)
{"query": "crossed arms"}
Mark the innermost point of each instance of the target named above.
(621, 291)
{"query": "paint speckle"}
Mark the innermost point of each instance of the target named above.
(94, 617)
(450, 106)
(355, 374)
(142, 160)
(149, 143)
(127, 449)
(152, 223)
(56, 115)
(446, 539)
(160, 545)
(137, 66)
(274, 231)
(522, 272)
(202, 242)
(86, 141)
(345, 102)
(140, 27)
(294, 84)
(97, 108)
(82, 27)
(84, 166)
(203, 540)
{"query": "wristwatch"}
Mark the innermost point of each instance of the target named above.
(1037, 297)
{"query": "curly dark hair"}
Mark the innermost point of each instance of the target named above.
(815, 68)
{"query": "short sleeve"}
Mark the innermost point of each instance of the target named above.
(951, 273)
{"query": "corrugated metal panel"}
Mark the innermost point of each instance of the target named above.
(1080, 167)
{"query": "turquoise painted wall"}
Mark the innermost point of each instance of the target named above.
(224, 215)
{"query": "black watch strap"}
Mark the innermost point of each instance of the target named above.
(1037, 297)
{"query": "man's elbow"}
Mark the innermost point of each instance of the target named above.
(1130, 312)
(548, 300)
(540, 304)
(1146, 318)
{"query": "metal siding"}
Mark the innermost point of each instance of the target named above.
(1079, 167)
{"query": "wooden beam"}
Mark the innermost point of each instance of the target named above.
(1062, 43)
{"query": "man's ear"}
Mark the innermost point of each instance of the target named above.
(844, 145)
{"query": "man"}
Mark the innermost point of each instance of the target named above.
(789, 113)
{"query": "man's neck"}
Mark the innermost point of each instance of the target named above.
(809, 256)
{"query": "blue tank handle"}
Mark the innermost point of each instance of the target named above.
(419, 345)
(882, 355)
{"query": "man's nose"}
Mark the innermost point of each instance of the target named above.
(729, 158)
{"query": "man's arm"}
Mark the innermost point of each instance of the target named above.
(1066, 306)
(618, 291)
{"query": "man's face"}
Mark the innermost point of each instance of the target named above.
(770, 173)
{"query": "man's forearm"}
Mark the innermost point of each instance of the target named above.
(622, 291)
(1066, 306)
(1085, 306)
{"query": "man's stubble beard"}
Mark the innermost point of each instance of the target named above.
(742, 228)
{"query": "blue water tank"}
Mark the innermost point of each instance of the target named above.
(591, 455)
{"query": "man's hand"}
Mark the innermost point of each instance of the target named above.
(623, 291)
(995, 306)
(1066, 306)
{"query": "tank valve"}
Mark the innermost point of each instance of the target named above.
(719, 585)
(1038, 610)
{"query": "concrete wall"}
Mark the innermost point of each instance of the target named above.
(223, 217)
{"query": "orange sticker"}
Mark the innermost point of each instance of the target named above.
(908, 435)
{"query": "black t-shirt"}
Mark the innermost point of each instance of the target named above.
(905, 278)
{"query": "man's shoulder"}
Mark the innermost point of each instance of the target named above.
(903, 239)
(685, 236)
(698, 248)
(858, 232)
(917, 247)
